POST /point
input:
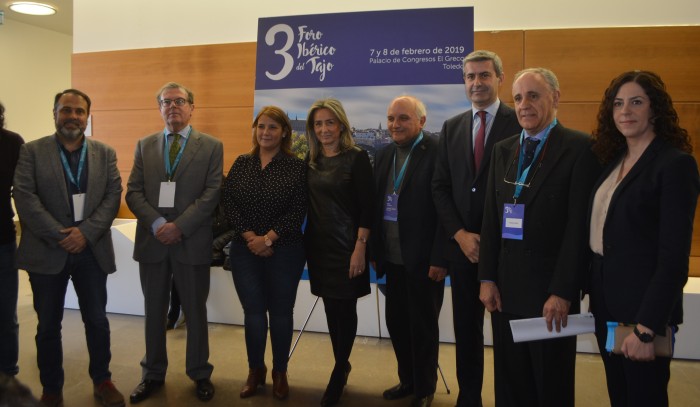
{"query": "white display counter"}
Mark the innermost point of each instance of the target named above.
(125, 297)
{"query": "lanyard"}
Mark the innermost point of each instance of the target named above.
(81, 165)
(168, 170)
(525, 171)
(397, 180)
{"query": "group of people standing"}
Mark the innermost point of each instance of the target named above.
(524, 215)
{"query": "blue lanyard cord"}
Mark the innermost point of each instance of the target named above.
(399, 179)
(168, 170)
(81, 165)
(521, 156)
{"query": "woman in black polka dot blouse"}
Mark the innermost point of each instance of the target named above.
(265, 201)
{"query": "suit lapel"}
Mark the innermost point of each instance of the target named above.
(555, 148)
(647, 157)
(53, 152)
(415, 159)
(159, 159)
(384, 168)
(193, 143)
(94, 177)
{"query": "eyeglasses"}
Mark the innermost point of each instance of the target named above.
(515, 182)
(167, 102)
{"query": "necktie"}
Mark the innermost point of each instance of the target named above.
(174, 149)
(479, 142)
(530, 147)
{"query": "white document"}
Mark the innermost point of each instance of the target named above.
(533, 329)
(78, 207)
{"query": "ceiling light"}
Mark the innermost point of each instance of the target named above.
(35, 9)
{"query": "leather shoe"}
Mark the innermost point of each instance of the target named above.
(256, 377)
(144, 390)
(205, 389)
(422, 401)
(336, 385)
(398, 392)
(280, 387)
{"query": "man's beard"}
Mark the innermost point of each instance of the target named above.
(71, 135)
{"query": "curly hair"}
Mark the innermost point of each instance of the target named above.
(608, 141)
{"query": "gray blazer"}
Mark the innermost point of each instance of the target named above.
(198, 177)
(42, 201)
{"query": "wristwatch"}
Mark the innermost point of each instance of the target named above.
(644, 337)
(268, 242)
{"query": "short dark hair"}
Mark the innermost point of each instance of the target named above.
(2, 115)
(74, 92)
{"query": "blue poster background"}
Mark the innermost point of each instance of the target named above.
(400, 47)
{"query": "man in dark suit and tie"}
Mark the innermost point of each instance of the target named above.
(67, 192)
(173, 190)
(459, 188)
(534, 244)
(407, 249)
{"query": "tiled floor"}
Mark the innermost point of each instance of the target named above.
(372, 359)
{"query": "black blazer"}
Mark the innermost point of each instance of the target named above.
(553, 256)
(647, 237)
(421, 245)
(459, 188)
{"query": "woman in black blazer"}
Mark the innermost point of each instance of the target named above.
(641, 224)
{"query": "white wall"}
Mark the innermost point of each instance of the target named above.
(36, 64)
(131, 24)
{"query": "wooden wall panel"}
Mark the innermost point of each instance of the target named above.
(122, 84)
(586, 60)
(509, 47)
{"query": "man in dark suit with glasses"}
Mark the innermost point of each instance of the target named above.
(534, 243)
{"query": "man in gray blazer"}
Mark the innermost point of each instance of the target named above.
(67, 191)
(173, 190)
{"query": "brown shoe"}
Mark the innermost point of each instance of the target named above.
(280, 387)
(108, 395)
(52, 399)
(256, 377)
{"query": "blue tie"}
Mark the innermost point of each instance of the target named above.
(530, 147)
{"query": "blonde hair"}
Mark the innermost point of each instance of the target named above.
(346, 140)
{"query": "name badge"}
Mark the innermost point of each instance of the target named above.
(78, 207)
(513, 216)
(391, 209)
(166, 198)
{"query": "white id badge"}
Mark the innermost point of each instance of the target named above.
(166, 198)
(78, 207)
(391, 210)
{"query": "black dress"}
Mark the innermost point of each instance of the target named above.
(341, 191)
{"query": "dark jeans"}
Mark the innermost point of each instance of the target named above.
(268, 285)
(9, 329)
(49, 290)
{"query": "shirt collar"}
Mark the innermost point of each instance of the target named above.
(490, 109)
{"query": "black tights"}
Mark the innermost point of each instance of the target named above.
(341, 316)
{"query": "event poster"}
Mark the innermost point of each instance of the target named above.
(364, 59)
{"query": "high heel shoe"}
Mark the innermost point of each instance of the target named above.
(256, 377)
(336, 385)
(280, 387)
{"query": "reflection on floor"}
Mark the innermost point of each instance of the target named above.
(374, 367)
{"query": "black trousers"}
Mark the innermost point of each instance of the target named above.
(468, 321)
(532, 374)
(413, 306)
(630, 383)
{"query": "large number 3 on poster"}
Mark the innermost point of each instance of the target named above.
(288, 59)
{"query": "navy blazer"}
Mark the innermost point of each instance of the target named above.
(459, 189)
(421, 243)
(553, 256)
(647, 237)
